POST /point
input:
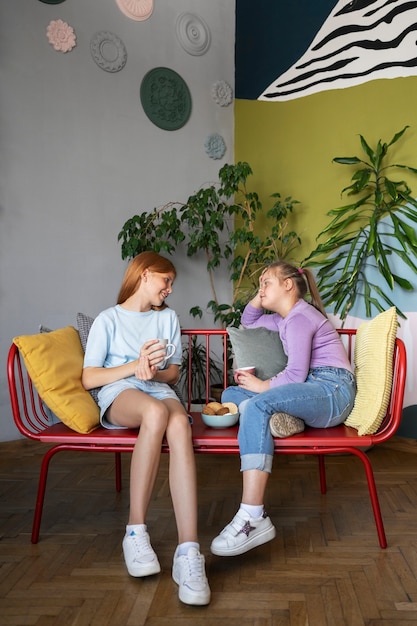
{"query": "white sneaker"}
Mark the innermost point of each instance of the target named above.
(140, 558)
(188, 572)
(242, 534)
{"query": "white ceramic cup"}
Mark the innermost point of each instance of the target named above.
(250, 369)
(169, 349)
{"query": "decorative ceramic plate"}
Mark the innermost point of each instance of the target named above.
(108, 51)
(52, 1)
(136, 9)
(165, 98)
(193, 33)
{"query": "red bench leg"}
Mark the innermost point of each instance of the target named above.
(322, 472)
(43, 475)
(374, 497)
(118, 470)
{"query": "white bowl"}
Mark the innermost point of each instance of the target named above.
(220, 421)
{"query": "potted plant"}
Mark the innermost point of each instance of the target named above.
(369, 233)
(198, 369)
(222, 222)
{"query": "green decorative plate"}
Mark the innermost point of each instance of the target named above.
(165, 98)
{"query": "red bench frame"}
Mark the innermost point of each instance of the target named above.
(32, 422)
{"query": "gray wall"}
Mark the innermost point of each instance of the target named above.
(78, 156)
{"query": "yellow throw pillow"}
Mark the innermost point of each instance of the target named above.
(54, 361)
(374, 348)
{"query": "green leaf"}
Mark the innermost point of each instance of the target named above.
(398, 135)
(196, 311)
(370, 153)
(347, 160)
(403, 282)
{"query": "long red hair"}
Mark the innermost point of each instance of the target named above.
(134, 271)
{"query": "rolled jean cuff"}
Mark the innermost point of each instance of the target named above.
(262, 462)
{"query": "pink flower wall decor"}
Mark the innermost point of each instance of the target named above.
(60, 35)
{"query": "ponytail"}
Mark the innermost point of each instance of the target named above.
(304, 281)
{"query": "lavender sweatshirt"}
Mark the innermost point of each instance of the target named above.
(308, 338)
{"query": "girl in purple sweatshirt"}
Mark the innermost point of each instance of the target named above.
(317, 388)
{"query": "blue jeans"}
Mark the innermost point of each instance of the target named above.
(325, 399)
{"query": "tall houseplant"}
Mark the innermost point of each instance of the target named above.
(367, 234)
(220, 222)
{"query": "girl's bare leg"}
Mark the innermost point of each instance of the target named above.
(182, 472)
(254, 485)
(152, 417)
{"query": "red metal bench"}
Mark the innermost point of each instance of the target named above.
(32, 422)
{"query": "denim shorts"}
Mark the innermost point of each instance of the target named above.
(108, 393)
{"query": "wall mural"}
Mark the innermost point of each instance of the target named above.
(361, 40)
(290, 50)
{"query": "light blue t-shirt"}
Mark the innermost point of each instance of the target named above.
(117, 336)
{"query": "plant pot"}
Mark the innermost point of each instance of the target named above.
(216, 392)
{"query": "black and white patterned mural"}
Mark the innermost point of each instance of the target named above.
(360, 41)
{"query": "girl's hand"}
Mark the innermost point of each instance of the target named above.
(256, 301)
(144, 370)
(252, 383)
(153, 351)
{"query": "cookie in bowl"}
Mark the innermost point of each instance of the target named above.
(218, 415)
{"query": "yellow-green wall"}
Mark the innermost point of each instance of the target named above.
(290, 145)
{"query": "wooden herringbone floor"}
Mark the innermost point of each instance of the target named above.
(324, 568)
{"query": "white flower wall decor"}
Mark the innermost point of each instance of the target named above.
(222, 93)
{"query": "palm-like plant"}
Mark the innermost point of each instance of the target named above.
(369, 233)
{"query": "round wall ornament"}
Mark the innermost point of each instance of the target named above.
(52, 1)
(138, 10)
(193, 33)
(108, 51)
(214, 146)
(222, 93)
(165, 98)
(60, 35)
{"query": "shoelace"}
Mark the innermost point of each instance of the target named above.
(195, 568)
(141, 545)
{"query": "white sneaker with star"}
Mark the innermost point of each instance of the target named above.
(242, 534)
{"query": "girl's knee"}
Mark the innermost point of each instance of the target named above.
(156, 417)
(234, 394)
(178, 426)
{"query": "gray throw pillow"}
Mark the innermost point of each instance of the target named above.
(84, 323)
(259, 347)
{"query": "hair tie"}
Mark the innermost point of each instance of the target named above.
(300, 270)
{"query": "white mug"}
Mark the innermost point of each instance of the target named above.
(169, 349)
